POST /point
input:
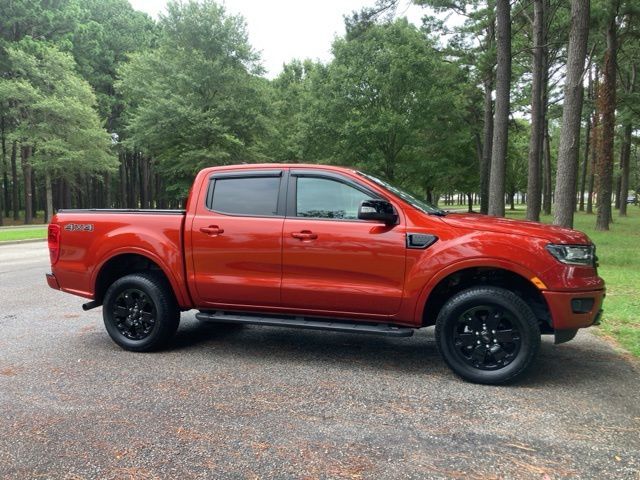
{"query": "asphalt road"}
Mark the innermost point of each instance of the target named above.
(258, 402)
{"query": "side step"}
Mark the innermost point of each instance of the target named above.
(306, 323)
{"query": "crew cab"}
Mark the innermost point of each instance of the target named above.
(330, 248)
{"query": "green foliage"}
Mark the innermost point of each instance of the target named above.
(290, 100)
(388, 103)
(106, 33)
(195, 99)
(52, 110)
(41, 19)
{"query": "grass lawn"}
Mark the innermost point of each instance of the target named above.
(9, 234)
(619, 254)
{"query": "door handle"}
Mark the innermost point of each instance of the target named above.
(304, 235)
(212, 230)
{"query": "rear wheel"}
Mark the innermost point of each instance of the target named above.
(488, 335)
(140, 312)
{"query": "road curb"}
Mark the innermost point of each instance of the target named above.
(15, 242)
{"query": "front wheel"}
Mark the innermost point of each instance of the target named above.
(487, 335)
(140, 312)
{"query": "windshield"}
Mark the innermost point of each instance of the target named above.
(407, 197)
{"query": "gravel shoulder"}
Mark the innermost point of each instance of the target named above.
(259, 402)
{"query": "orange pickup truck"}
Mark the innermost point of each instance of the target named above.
(329, 248)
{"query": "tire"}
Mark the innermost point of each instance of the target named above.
(487, 335)
(140, 312)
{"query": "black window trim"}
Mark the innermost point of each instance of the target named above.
(239, 174)
(273, 172)
(292, 193)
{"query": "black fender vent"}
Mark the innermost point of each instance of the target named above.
(420, 240)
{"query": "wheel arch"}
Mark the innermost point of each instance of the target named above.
(122, 263)
(508, 276)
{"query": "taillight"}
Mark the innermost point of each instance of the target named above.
(54, 242)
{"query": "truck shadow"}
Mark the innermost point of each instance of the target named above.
(576, 363)
(296, 346)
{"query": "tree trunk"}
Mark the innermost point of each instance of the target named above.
(49, 197)
(67, 194)
(34, 193)
(625, 155)
(607, 107)
(25, 160)
(535, 157)
(160, 197)
(485, 165)
(15, 202)
(123, 182)
(625, 152)
(3, 196)
(595, 142)
(567, 173)
(585, 163)
(130, 181)
(544, 137)
(135, 181)
(501, 119)
(107, 191)
(144, 182)
(546, 163)
(152, 185)
(487, 133)
(5, 182)
(59, 191)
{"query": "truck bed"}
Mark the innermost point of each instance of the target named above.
(91, 237)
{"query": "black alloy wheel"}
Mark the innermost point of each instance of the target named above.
(488, 335)
(134, 314)
(140, 312)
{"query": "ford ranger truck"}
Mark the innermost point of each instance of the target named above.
(330, 248)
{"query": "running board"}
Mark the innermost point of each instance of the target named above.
(303, 322)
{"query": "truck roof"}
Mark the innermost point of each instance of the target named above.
(250, 166)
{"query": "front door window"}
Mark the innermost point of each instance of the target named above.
(325, 198)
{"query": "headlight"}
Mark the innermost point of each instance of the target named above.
(574, 254)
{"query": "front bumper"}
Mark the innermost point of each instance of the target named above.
(562, 308)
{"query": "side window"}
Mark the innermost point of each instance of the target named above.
(256, 196)
(325, 198)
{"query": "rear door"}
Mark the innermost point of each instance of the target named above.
(237, 239)
(333, 262)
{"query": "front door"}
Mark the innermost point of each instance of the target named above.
(237, 239)
(333, 262)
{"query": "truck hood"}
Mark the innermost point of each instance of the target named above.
(487, 223)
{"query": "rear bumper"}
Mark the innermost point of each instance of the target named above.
(53, 281)
(562, 306)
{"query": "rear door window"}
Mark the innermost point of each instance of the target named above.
(251, 196)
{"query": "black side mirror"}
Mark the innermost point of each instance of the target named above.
(379, 210)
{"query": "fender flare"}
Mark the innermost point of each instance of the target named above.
(479, 262)
(182, 296)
